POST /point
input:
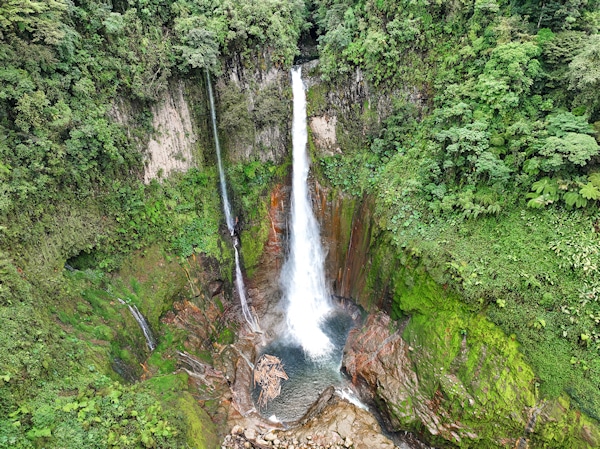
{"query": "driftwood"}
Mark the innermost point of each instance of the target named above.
(268, 373)
(200, 370)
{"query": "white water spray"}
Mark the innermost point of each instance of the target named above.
(239, 280)
(349, 395)
(303, 276)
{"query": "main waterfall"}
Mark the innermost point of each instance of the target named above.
(303, 274)
(239, 280)
(312, 340)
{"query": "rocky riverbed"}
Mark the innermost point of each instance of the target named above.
(334, 424)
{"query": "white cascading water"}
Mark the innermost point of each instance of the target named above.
(239, 280)
(137, 315)
(224, 196)
(303, 275)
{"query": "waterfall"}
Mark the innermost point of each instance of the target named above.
(150, 341)
(213, 116)
(303, 274)
(241, 288)
(239, 280)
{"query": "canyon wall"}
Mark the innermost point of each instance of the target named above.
(174, 142)
(430, 365)
(254, 103)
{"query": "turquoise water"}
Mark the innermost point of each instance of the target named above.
(308, 377)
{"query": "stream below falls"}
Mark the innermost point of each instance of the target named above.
(308, 377)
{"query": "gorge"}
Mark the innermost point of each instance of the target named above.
(313, 336)
(454, 184)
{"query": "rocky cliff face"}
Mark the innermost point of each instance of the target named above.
(345, 113)
(396, 375)
(450, 375)
(179, 135)
(254, 109)
(440, 371)
(173, 144)
(474, 392)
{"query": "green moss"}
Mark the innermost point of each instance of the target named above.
(250, 182)
(163, 364)
(253, 241)
(153, 282)
(84, 308)
(169, 385)
(416, 292)
(369, 116)
(226, 337)
(566, 427)
(382, 265)
(148, 281)
(200, 431)
(316, 99)
(103, 332)
(235, 122)
(126, 356)
(480, 372)
(162, 359)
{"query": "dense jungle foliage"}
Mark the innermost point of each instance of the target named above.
(71, 190)
(487, 169)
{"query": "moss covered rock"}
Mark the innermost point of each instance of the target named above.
(456, 375)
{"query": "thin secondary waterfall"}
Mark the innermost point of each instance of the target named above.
(303, 276)
(239, 280)
(150, 341)
(224, 196)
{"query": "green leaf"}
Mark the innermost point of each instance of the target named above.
(590, 191)
(39, 433)
(594, 178)
(536, 203)
(147, 439)
(70, 406)
(574, 199)
(585, 337)
(545, 185)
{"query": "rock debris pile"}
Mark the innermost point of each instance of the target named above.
(241, 438)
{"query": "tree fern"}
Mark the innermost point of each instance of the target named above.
(545, 185)
(537, 202)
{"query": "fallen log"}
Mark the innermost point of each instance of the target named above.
(268, 374)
